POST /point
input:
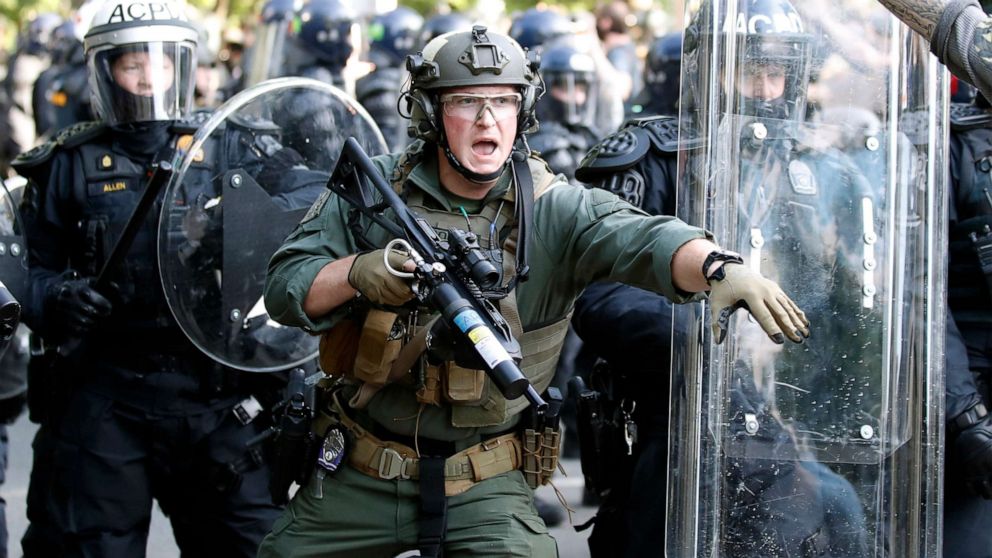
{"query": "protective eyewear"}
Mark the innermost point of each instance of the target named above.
(468, 106)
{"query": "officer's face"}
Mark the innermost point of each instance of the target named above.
(141, 74)
(763, 82)
(481, 141)
(565, 93)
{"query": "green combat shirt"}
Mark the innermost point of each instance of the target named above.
(578, 236)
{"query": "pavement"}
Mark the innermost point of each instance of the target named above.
(161, 543)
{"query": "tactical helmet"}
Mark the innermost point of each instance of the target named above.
(392, 36)
(536, 27)
(570, 78)
(141, 58)
(476, 57)
(324, 31)
(438, 25)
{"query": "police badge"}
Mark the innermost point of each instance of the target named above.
(332, 451)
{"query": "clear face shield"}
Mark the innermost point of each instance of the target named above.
(570, 99)
(268, 52)
(771, 78)
(143, 82)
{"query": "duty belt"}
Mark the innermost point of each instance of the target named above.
(388, 460)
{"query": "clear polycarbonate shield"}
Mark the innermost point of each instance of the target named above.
(13, 247)
(242, 183)
(815, 147)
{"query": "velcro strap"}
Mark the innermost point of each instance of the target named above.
(433, 508)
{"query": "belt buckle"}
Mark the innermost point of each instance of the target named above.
(393, 465)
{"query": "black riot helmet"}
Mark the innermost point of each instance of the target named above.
(39, 33)
(64, 42)
(393, 35)
(537, 27)
(325, 29)
(440, 24)
(570, 86)
(476, 57)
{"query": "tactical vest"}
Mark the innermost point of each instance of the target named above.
(475, 401)
(968, 288)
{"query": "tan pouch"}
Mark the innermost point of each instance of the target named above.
(462, 386)
(378, 347)
(339, 347)
(540, 455)
(430, 391)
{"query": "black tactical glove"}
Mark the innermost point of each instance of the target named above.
(76, 306)
(973, 448)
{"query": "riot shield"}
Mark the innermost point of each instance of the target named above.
(817, 139)
(242, 183)
(13, 248)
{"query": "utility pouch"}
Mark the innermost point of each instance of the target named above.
(429, 391)
(378, 346)
(339, 348)
(542, 443)
(981, 243)
(463, 386)
(41, 381)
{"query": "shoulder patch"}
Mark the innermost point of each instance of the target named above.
(618, 151)
(965, 116)
(317, 207)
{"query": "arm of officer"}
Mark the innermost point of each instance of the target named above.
(958, 31)
(330, 288)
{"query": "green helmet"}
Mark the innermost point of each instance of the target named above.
(460, 58)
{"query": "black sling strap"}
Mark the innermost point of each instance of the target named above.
(524, 209)
(433, 507)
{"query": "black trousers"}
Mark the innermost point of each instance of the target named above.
(112, 460)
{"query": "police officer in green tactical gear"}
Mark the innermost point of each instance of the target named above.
(396, 405)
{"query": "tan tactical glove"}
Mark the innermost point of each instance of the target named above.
(368, 274)
(763, 298)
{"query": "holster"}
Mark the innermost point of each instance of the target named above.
(602, 449)
(48, 387)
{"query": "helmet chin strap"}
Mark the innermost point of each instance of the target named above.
(471, 175)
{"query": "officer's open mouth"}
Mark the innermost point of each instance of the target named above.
(484, 147)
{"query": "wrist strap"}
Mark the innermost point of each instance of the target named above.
(969, 418)
(719, 256)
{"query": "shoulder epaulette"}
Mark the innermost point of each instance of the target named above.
(66, 138)
(628, 145)
(618, 151)
(966, 116)
(192, 123)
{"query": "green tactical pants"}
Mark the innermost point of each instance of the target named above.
(351, 515)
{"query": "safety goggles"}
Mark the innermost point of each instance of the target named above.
(469, 106)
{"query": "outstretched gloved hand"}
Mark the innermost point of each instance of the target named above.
(368, 274)
(77, 306)
(775, 312)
